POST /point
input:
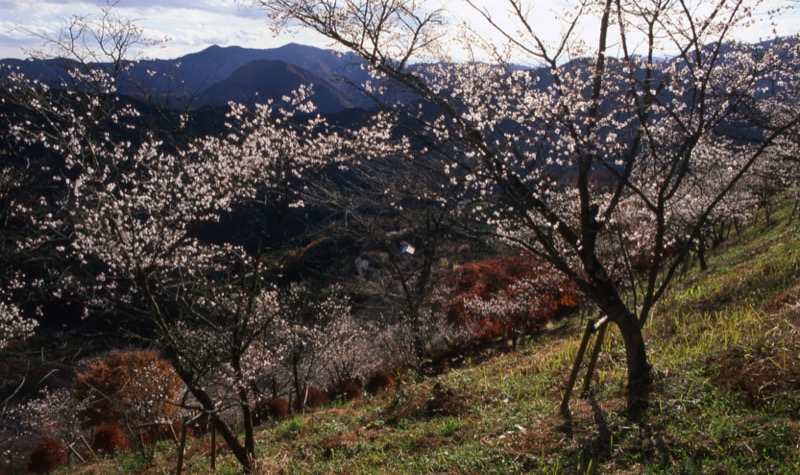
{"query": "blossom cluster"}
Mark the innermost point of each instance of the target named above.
(13, 324)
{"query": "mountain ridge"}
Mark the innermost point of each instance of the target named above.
(264, 78)
(205, 74)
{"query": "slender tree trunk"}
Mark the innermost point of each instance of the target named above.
(238, 451)
(247, 415)
(701, 253)
(298, 386)
(635, 350)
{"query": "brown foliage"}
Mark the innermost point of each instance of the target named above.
(275, 408)
(109, 439)
(344, 391)
(315, 397)
(128, 386)
(46, 456)
(379, 382)
(552, 295)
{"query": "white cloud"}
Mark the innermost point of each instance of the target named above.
(549, 19)
(193, 25)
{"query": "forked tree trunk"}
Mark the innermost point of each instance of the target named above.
(635, 350)
(244, 454)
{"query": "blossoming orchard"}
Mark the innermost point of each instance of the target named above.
(605, 163)
(596, 163)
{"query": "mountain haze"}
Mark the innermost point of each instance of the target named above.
(217, 75)
(262, 79)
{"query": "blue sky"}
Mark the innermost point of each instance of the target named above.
(193, 25)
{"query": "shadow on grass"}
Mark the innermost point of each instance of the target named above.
(594, 436)
(638, 400)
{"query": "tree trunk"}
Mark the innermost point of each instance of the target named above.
(299, 387)
(239, 451)
(605, 294)
(635, 350)
(701, 253)
(247, 415)
(236, 448)
(610, 303)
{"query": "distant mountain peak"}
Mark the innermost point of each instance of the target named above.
(263, 79)
(197, 74)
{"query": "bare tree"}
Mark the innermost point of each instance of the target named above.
(402, 220)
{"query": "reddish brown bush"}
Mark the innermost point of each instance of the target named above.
(46, 456)
(276, 408)
(134, 386)
(379, 382)
(344, 391)
(521, 294)
(315, 397)
(109, 439)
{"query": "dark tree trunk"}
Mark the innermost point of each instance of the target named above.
(701, 253)
(247, 415)
(606, 297)
(299, 390)
(635, 351)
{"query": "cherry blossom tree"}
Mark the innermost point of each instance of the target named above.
(146, 204)
(95, 53)
(140, 216)
(314, 330)
(53, 415)
(13, 325)
(25, 258)
(633, 124)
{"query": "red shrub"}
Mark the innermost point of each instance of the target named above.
(109, 438)
(136, 386)
(46, 456)
(380, 381)
(275, 408)
(344, 391)
(278, 408)
(521, 293)
(315, 397)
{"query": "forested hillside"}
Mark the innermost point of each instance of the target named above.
(725, 395)
(317, 268)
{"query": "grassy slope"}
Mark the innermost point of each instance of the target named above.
(725, 346)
